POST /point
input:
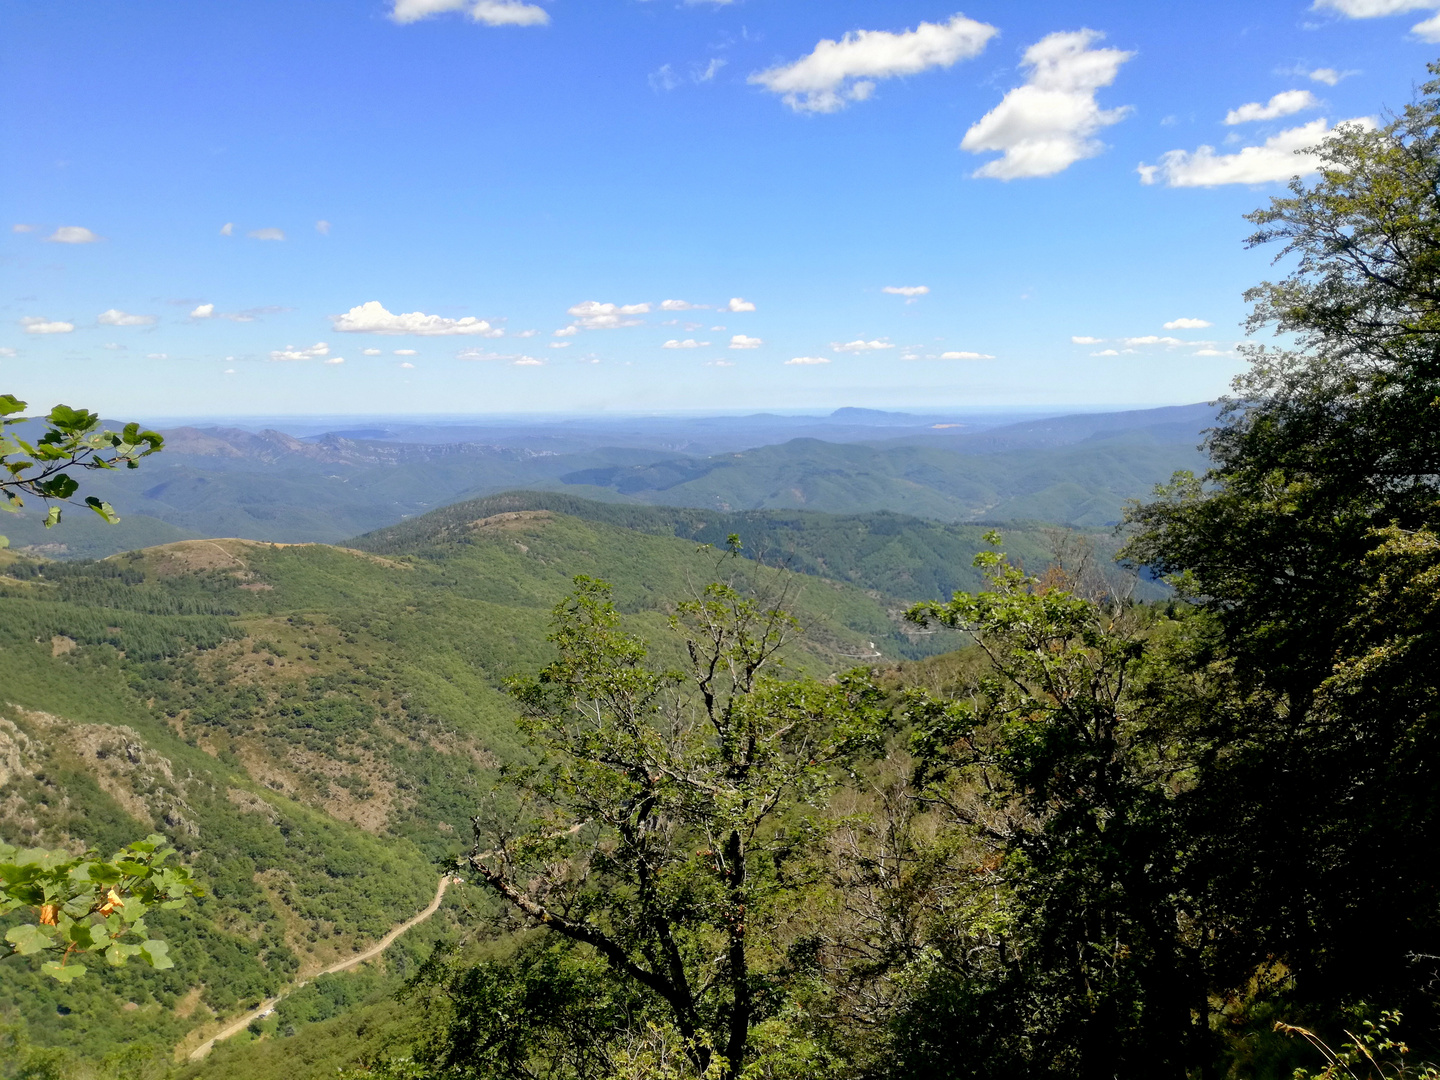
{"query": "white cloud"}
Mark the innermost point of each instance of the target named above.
(860, 346)
(836, 73)
(593, 315)
(157, 356)
(737, 304)
(1081, 339)
(740, 341)
(203, 311)
(405, 352)
(228, 229)
(561, 344)
(322, 227)
(708, 72)
(72, 234)
(1048, 124)
(966, 356)
(719, 363)
(1279, 158)
(318, 351)
(910, 291)
(566, 331)
(807, 360)
(116, 317)
(228, 371)
(1212, 352)
(1186, 324)
(372, 318)
(682, 305)
(1106, 352)
(113, 345)
(526, 334)
(489, 12)
(266, 234)
(688, 343)
(1282, 104)
(335, 360)
(1328, 76)
(371, 352)
(36, 324)
(7, 352)
(21, 228)
(528, 361)
(408, 366)
(1152, 339)
(664, 78)
(1427, 30)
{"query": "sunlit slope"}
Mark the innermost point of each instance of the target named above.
(313, 726)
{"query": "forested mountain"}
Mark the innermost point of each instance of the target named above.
(213, 482)
(312, 725)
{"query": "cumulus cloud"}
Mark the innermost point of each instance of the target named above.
(688, 343)
(1081, 339)
(593, 315)
(266, 234)
(1279, 158)
(1211, 352)
(860, 346)
(489, 12)
(682, 305)
(335, 360)
(371, 352)
(1328, 76)
(1426, 30)
(157, 356)
(528, 361)
(38, 324)
(408, 366)
(318, 351)
(803, 360)
(908, 291)
(966, 356)
(404, 352)
(228, 229)
(719, 363)
(1106, 352)
(1282, 104)
(737, 304)
(22, 228)
(561, 344)
(203, 311)
(526, 334)
(740, 341)
(1186, 324)
(72, 234)
(1048, 124)
(116, 317)
(705, 74)
(7, 352)
(372, 318)
(836, 73)
(1153, 339)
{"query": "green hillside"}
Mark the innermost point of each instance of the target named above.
(312, 726)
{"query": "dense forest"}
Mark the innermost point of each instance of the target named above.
(727, 818)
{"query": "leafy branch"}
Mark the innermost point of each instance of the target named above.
(72, 440)
(86, 904)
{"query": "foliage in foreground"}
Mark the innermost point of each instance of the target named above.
(86, 904)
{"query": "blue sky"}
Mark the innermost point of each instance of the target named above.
(456, 206)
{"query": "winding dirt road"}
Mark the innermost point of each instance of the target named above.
(268, 1005)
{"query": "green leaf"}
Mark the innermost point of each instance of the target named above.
(104, 509)
(64, 972)
(157, 953)
(72, 420)
(9, 404)
(52, 518)
(4, 542)
(28, 939)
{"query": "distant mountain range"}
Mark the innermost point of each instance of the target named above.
(325, 487)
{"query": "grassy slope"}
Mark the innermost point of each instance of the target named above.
(312, 725)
